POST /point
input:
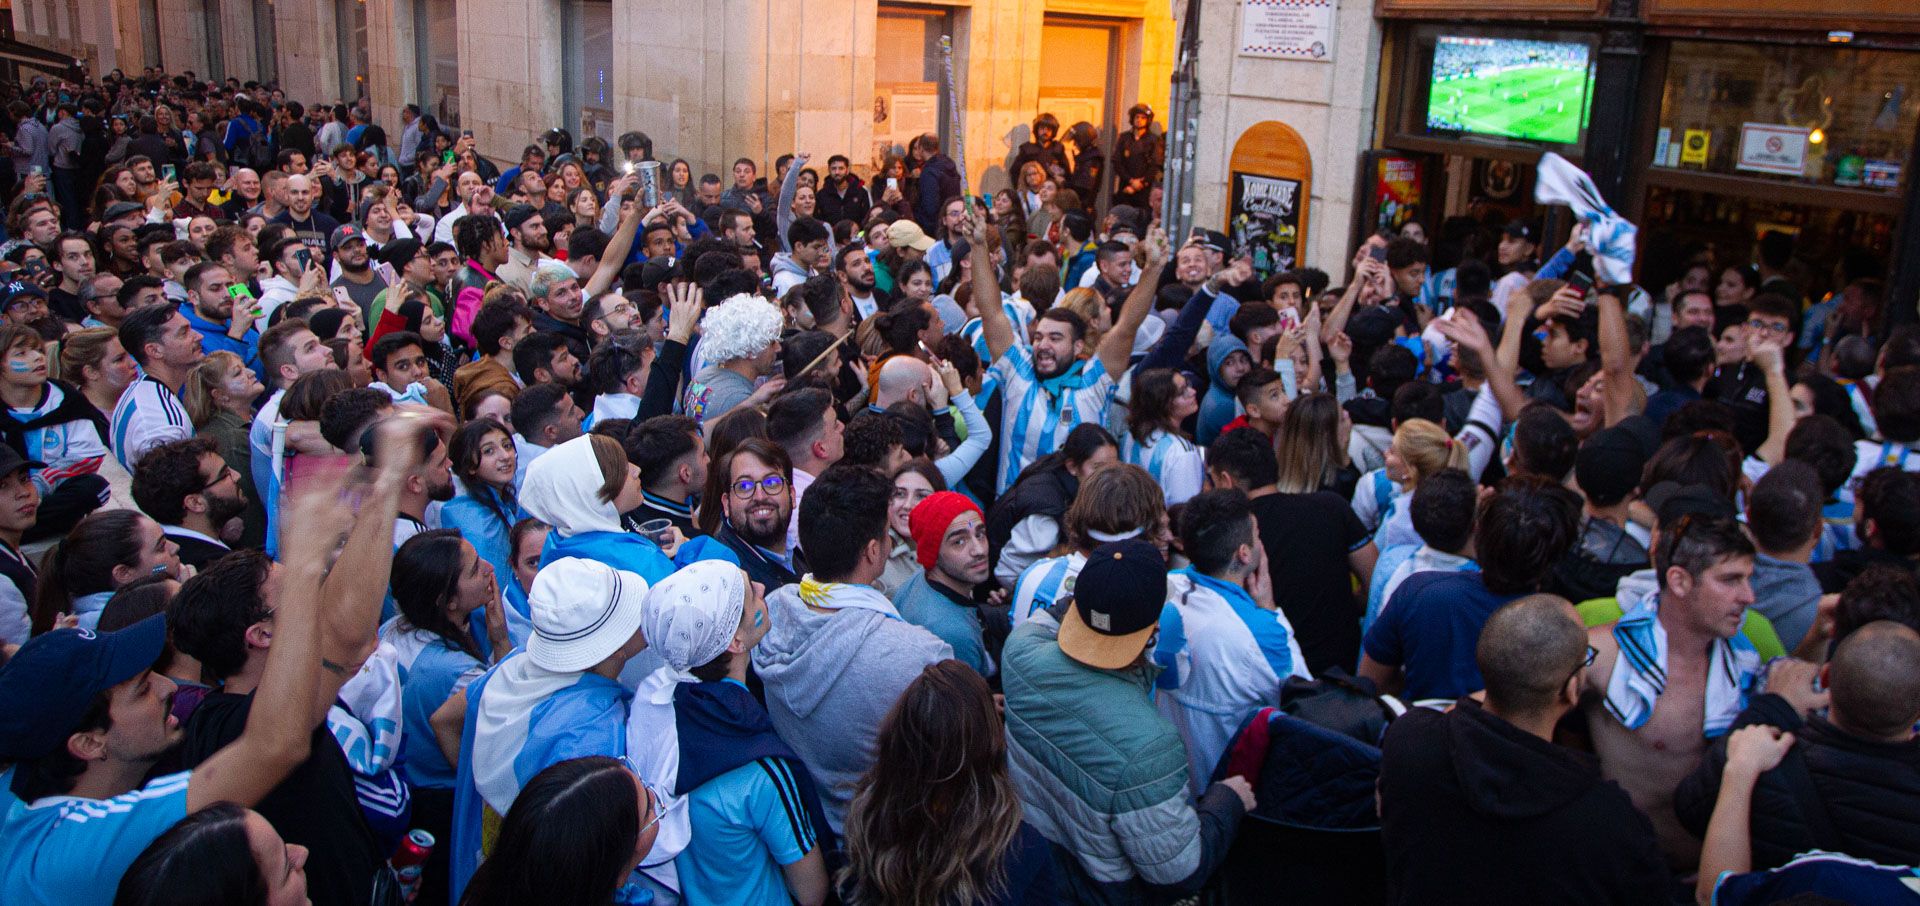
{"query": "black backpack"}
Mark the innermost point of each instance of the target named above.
(256, 151)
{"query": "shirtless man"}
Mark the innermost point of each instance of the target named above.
(1652, 723)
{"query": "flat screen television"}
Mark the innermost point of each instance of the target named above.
(1510, 88)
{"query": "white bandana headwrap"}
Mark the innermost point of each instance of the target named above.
(691, 616)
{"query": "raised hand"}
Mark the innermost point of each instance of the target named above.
(685, 303)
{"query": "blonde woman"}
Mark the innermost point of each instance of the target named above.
(1383, 498)
(219, 395)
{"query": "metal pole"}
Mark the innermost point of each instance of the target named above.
(1183, 126)
(958, 118)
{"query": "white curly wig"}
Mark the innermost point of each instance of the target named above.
(738, 327)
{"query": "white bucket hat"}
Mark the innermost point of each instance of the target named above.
(583, 611)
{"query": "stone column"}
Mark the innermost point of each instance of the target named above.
(1330, 104)
(393, 64)
(308, 37)
(236, 38)
(997, 55)
(511, 82)
(183, 36)
(130, 50)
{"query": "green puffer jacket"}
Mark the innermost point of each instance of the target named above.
(1104, 777)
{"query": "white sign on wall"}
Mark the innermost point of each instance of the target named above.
(1287, 29)
(1772, 148)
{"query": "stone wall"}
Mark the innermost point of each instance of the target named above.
(1331, 105)
(308, 37)
(708, 80)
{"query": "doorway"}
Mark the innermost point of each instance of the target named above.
(1080, 71)
(908, 100)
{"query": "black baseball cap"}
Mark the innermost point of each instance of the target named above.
(54, 678)
(16, 290)
(1528, 229)
(1672, 500)
(519, 214)
(1211, 240)
(11, 461)
(1117, 600)
(1609, 464)
(399, 253)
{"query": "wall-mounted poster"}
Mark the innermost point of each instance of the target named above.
(1263, 213)
(1287, 29)
(1396, 191)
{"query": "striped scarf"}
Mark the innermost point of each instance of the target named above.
(1640, 672)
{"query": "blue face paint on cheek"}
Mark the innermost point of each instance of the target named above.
(19, 367)
(759, 619)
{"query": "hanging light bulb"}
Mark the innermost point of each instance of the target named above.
(1817, 136)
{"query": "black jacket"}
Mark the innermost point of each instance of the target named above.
(939, 181)
(1041, 492)
(196, 552)
(1476, 810)
(761, 568)
(850, 203)
(1047, 155)
(1833, 791)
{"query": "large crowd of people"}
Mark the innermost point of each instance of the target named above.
(591, 533)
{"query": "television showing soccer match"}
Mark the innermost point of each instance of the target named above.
(1510, 88)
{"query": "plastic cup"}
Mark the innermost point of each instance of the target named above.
(658, 531)
(649, 171)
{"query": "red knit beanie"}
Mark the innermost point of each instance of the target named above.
(930, 520)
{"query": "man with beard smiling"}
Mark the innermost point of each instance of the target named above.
(759, 500)
(527, 245)
(354, 260)
(1047, 388)
(855, 271)
(950, 541)
(188, 488)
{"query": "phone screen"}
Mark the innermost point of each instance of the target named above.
(304, 258)
(1580, 281)
(447, 158)
(1378, 253)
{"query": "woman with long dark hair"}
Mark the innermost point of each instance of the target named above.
(936, 820)
(104, 551)
(679, 182)
(222, 854)
(439, 585)
(1161, 400)
(484, 513)
(572, 837)
(915, 480)
(1023, 525)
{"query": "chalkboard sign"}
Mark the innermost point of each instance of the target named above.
(1263, 216)
(1269, 186)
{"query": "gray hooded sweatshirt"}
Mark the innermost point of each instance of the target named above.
(832, 677)
(1786, 593)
